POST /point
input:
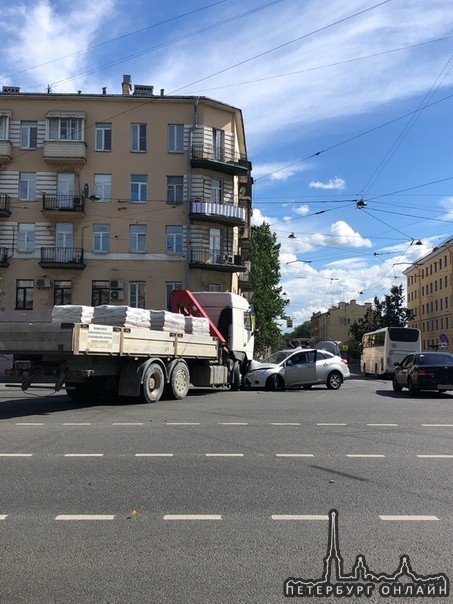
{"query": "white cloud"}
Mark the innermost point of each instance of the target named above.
(342, 235)
(332, 184)
(302, 210)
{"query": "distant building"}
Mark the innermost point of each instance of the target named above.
(336, 322)
(120, 198)
(429, 297)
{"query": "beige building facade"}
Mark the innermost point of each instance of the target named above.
(336, 322)
(120, 198)
(429, 297)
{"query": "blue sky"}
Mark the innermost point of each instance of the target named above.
(342, 101)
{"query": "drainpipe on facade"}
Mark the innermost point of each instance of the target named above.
(189, 189)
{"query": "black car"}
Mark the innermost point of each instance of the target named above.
(424, 371)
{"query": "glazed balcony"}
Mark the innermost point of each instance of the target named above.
(214, 260)
(63, 203)
(220, 160)
(62, 257)
(6, 151)
(5, 206)
(65, 152)
(225, 213)
(4, 257)
(245, 282)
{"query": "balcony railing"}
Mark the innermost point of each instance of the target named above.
(4, 255)
(217, 212)
(63, 203)
(5, 206)
(6, 151)
(217, 158)
(62, 257)
(216, 260)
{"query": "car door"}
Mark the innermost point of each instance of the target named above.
(404, 369)
(300, 369)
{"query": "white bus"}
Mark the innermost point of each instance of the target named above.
(382, 348)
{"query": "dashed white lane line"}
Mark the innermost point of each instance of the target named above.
(409, 518)
(233, 424)
(29, 423)
(299, 517)
(331, 424)
(154, 455)
(3, 516)
(16, 454)
(437, 425)
(77, 424)
(192, 517)
(183, 423)
(294, 455)
(84, 455)
(382, 425)
(364, 455)
(85, 517)
(127, 424)
(224, 454)
(285, 423)
(440, 456)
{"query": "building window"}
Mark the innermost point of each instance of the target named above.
(100, 293)
(62, 292)
(4, 127)
(101, 238)
(27, 186)
(170, 286)
(174, 239)
(26, 237)
(175, 189)
(138, 137)
(137, 294)
(218, 144)
(64, 235)
(215, 287)
(103, 141)
(28, 135)
(216, 190)
(24, 294)
(137, 238)
(176, 138)
(139, 188)
(65, 128)
(103, 186)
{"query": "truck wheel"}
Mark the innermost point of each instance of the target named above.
(179, 383)
(77, 392)
(236, 376)
(153, 383)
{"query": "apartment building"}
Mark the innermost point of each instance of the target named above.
(335, 323)
(120, 198)
(429, 297)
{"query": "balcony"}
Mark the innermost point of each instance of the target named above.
(225, 213)
(4, 206)
(214, 260)
(4, 256)
(62, 257)
(220, 160)
(65, 152)
(6, 152)
(245, 282)
(63, 203)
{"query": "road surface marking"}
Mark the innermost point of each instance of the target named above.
(85, 517)
(76, 424)
(233, 423)
(437, 425)
(364, 455)
(331, 424)
(154, 455)
(299, 517)
(285, 423)
(183, 423)
(414, 518)
(382, 424)
(84, 455)
(294, 455)
(192, 517)
(224, 454)
(436, 456)
(16, 454)
(29, 423)
(127, 424)
(3, 516)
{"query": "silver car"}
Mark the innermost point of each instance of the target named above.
(294, 368)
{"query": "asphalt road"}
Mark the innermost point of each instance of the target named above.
(221, 497)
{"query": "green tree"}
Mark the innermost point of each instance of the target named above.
(265, 277)
(389, 312)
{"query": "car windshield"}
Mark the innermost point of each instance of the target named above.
(278, 357)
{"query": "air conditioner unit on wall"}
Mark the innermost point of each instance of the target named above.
(117, 294)
(116, 284)
(42, 283)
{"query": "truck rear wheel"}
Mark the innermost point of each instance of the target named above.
(236, 376)
(153, 383)
(178, 386)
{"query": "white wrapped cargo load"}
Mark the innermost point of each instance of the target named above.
(72, 313)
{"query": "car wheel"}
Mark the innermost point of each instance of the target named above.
(334, 380)
(413, 390)
(275, 383)
(396, 387)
